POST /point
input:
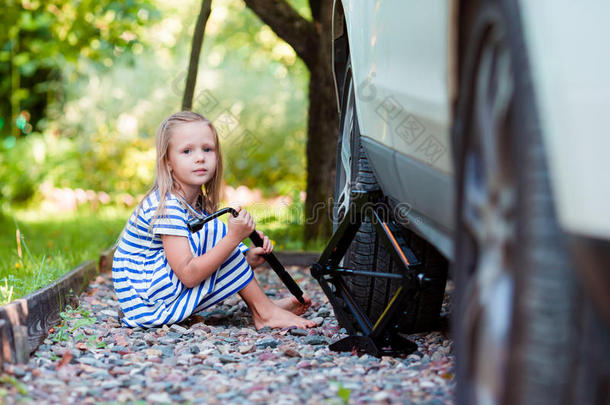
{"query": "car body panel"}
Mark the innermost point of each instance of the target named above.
(438, 187)
(405, 109)
(568, 52)
(402, 97)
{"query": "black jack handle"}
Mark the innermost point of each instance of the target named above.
(196, 224)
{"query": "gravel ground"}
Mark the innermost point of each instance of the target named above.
(217, 356)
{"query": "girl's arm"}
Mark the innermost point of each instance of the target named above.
(190, 270)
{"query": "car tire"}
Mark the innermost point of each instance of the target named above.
(367, 252)
(516, 298)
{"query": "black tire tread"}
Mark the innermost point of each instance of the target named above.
(367, 253)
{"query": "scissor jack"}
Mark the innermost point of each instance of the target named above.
(381, 337)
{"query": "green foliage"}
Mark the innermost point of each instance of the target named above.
(33, 160)
(342, 392)
(262, 85)
(18, 177)
(247, 75)
(10, 380)
(73, 319)
(125, 165)
(39, 39)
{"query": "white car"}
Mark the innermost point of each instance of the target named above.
(486, 126)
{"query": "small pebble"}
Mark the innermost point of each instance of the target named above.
(178, 329)
(323, 312)
(298, 332)
(246, 349)
(315, 340)
(268, 342)
(109, 312)
(290, 352)
(227, 359)
(318, 320)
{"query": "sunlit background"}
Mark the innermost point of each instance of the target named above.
(83, 90)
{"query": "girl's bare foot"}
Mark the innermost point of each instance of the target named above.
(279, 317)
(267, 313)
(293, 305)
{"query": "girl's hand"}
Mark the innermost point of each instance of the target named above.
(254, 256)
(241, 226)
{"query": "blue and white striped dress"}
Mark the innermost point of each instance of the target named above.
(148, 291)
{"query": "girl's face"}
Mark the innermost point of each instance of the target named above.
(192, 156)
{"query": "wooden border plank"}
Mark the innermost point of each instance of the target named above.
(4, 346)
(7, 348)
(45, 304)
(106, 260)
(25, 322)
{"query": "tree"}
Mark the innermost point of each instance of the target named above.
(311, 40)
(38, 39)
(191, 78)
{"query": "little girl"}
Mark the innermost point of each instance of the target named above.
(161, 272)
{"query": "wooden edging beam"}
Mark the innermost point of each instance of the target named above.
(25, 322)
(105, 263)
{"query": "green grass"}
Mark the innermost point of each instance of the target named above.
(51, 245)
(54, 244)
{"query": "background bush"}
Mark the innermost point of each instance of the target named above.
(100, 134)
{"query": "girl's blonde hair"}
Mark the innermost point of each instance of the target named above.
(164, 181)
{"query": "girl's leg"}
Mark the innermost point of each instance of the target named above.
(267, 313)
